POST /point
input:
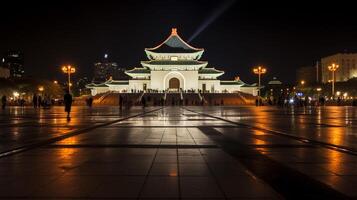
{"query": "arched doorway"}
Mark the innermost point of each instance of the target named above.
(174, 84)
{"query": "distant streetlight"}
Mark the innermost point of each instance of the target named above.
(302, 82)
(69, 70)
(318, 89)
(16, 95)
(55, 82)
(333, 68)
(259, 70)
(345, 95)
(40, 89)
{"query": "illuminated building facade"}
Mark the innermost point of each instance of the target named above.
(347, 67)
(173, 66)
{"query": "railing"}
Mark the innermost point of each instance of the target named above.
(141, 96)
(242, 97)
(103, 97)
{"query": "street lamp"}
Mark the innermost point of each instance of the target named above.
(333, 68)
(302, 82)
(40, 88)
(69, 70)
(259, 70)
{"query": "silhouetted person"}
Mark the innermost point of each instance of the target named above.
(3, 102)
(34, 100)
(339, 101)
(90, 101)
(143, 102)
(354, 102)
(22, 102)
(121, 102)
(39, 101)
(67, 99)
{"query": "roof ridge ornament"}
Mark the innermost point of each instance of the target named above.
(174, 31)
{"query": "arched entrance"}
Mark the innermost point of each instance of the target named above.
(174, 84)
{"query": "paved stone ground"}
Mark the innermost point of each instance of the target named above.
(175, 153)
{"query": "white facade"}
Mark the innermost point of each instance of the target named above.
(173, 66)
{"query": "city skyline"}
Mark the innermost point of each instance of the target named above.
(279, 36)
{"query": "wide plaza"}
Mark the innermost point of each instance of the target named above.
(179, 153)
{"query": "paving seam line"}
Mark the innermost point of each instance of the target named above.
(339, 148)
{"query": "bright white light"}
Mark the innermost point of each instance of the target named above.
(345, 94)
(338, 93)
(291, 100)
(16, 94)
(105, 55)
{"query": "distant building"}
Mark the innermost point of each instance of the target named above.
(307, 74)
(174, 66)
(14, 61)
(347, 67)
(4, 72)
(106, 70)
(274, 88)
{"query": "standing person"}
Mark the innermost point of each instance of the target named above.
(121, 102)
(143, 102)
(67, 99)
(3, 101)
(39, 101)
(90, 101)
(34, 100)
(22, 102)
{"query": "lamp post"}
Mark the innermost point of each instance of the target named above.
(69, 70)
(259, 70)
(333, 68)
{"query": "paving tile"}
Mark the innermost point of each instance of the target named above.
(189, 169)
(163, 169)
(118, 187)
(200, 187)
(245, 187)
(160, 187)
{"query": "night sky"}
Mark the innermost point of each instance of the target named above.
(281, 36)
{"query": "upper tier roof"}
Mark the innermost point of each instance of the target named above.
(179, 62)
(174, 44)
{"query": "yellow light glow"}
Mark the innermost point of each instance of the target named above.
(16, 94)
(259, 70)
(40, 88)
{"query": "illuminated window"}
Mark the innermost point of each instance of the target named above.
(173, 58)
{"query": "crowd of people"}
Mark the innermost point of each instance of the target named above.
(44, 101)
(306, 101)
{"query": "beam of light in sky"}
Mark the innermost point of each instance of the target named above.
(216, 13)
